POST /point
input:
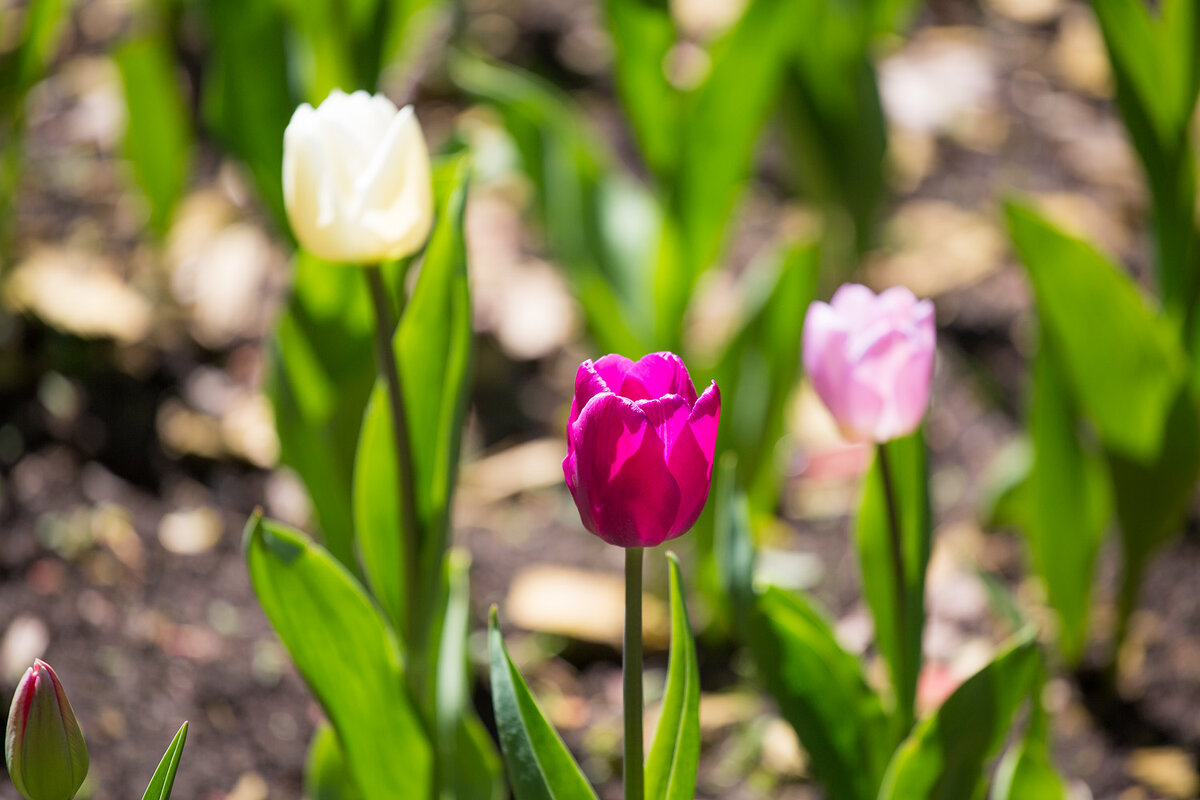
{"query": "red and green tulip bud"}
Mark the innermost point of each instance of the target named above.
(43, 745)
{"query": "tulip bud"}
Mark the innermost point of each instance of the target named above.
(43, 746)
(640, 448)
(357, 181)
(870, 358)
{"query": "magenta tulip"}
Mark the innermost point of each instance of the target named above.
(640, 448)
(870, 358)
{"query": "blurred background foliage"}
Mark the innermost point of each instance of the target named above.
(647, 175)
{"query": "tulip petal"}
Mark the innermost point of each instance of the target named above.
(657, 375)
(593, 377)
(621, 485)
(824, 352)
(690, 460)
(393, 195)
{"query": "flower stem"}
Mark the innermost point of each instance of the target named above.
(898, 580)
(632, 667)
(384, 354)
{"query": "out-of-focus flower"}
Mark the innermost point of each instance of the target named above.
(640, 447)
(43, 745)
(870, 358)
(356, 179)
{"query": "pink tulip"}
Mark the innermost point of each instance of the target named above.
(640, 448)
(870, 358)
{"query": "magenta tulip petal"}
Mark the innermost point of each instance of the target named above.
(624, 492)
(640, 448)
(870, 359)
(656, 375)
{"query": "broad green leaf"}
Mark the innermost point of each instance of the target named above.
(723, 121)
(347, 654)
(822, 693)
(468, 764)
(539, 765)
(945, 756)
(158, 136)
(833, 116)
(163, 779)
(733, 547)
(249, 116)
(675, 753)
(643, 33)
(1152, 497)
(1156, 66)
(897, 629)
(1025, 773)
(758, 370)
(326, 774)
(1066, 502)
(601, 229)
(1126, 373)
(36, 47)
(321, 371)
(433, 349)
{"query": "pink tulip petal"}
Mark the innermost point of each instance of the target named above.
(592, 378)
(691, 459)
(825, 344)
(656, 375)
(624, 492)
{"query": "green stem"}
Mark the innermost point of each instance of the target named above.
(384, 328)
(895, 539)
(632, 667)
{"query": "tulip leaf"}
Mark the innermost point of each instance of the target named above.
(897, 629)
(822, 693)
(249, 116)
(1125, 374)
(1066, 490)
(468, 765)
(1156, 66)
(347, 654)
(643, 35)
(539, 765)
(733, 547)
(1025, 772)
(1129, 377)
(675, 752)
(158, 136)
(163, 779)
(320, 375)
(602, 229)
(945, 756)
(433, 351)
(326, 774)
(758, 369)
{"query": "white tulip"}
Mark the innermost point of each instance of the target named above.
(356, 179)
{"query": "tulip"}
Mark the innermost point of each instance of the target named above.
(640, 447)
(870, 358)
(356, 179)
(43, 746)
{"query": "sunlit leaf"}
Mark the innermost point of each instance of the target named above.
(163, 780)
(347, 654)
(326, 774)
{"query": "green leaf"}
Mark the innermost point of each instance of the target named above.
(1153, 496)
(320, 374)
(723, 119)
(539, 765)
(822, 693)
(468, 764)
(675, 753)
(326, 774)
(898, 634)
(433, 351)
(643, 33)
(945, 756)
(249, 116)
(346, 653)
(759, 368)
(163, 779)
(1126, 373)
(1025, 772)
(733, 547)
(602, 229)
(158, 136)
(1066, 491)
